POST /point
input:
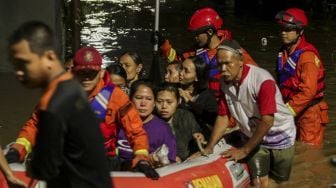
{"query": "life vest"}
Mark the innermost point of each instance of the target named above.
(212, 63)
(99, 106)
(289, 82)
(203, 53)
(213, 72)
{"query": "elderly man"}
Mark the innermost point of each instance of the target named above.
(250, 95)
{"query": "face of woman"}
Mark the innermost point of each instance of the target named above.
(131, 68)
(118, 80)
(166, 104)
(143, 100)
(188, 72)
(172, 74)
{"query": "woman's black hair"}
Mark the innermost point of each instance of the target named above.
(116, 69)
(202, 73)
(136, 84)
(171, 87)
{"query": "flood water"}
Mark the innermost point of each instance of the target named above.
(114, 26)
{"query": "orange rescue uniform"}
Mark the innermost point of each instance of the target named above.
(306, 102)
(120, 112)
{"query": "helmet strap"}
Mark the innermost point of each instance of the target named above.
(210, 33)
(297, 38)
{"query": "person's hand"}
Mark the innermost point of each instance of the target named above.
(154, 160)
(235, 154)
(206, 151)
(13, 179)
(12, 156)
(144, 167)
(178, 159)
(185, 95)
(157, 38)
(199, 138)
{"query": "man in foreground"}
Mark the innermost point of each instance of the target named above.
(69, 150)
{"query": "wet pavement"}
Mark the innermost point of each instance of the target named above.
(114, 26)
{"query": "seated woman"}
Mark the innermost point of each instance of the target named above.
(158, 131)
(195, 94)
(133, 65)
(118, 76)
(182, 122)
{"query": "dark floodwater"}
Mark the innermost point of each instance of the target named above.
(113, 26)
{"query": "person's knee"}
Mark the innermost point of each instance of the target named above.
(282, 164)
(261, 182)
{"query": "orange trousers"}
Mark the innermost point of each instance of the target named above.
(310, 124)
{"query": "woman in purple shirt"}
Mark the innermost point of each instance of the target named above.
(158, 131)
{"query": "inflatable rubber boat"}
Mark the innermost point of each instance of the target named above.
(210, 171)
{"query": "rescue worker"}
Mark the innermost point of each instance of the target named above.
(301, 77)
(205, 24)
(68, 147)
(112, 108)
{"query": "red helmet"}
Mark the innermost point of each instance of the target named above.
(205, 18)
(292, 17)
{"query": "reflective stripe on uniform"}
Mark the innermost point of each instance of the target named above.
(172, 55)
(25, 142)
(141, 152)
(291, 109)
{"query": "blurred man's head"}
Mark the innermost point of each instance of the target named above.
(33, 52)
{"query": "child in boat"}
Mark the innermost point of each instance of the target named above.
(182, 122)
(118, 76)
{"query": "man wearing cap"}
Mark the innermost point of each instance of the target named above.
(68, 146)
(301, 76)
(250, 95)
(111, 106)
